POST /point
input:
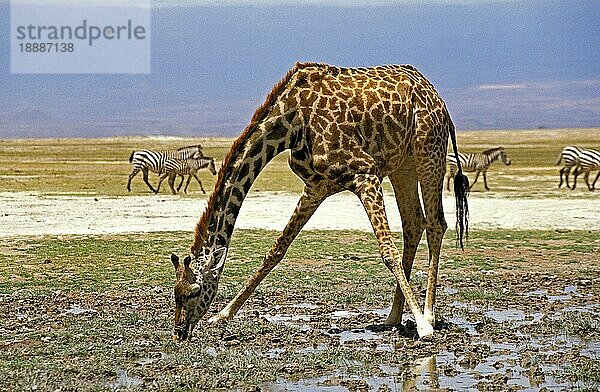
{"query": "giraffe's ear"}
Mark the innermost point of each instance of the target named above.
(175, 260)
(187, 261)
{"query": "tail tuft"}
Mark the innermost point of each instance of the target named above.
(461, 191)
(560, 157)
(131, 157)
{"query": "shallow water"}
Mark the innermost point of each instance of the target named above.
(125, 380)
(500, 363)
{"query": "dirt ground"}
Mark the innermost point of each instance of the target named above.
(34, 214)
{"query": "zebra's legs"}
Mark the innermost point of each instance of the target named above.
(475, 180)
(587, 180)
(172, 182)
(197, 179)
(133, 174)
(595, 179)
(566, 171)
(180, 182)
(485, 181)
(450, 176)
(160, 180)
(145, 173)
(576, 174)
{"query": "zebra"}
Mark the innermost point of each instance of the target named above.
(589, 160)
(175, 167)
(476, 162)
(570, 158)
(148, 160)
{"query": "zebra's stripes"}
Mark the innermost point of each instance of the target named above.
(476, 162)
(148, 160)
(569, 156)
(588, 160)
(180, 167)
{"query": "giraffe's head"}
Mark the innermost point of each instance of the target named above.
(195, 289)
(504, 157)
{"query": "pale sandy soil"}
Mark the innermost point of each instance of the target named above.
(26, 213)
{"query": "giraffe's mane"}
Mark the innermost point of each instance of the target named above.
(234, 150)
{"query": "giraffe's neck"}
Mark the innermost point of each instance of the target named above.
(248, 158)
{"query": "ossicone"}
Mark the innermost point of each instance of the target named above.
(175, 260)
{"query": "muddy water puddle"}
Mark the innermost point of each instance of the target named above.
(508, 359)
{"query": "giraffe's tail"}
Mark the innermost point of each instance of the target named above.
(461, 191)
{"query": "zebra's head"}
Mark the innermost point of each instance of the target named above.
(195, 289)
(211, 166)
(504, 157)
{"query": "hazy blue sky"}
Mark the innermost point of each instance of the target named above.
(498, 64)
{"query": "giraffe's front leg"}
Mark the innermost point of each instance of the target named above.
(310, 200)
(368, 189)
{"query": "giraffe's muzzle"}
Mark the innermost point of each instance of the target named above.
(181, 333)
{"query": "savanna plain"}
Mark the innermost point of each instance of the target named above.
(517, 310)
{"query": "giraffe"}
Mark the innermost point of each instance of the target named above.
(346, 129)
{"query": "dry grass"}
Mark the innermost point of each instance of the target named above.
(101, 167)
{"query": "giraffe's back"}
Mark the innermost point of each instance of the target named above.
(372, 109)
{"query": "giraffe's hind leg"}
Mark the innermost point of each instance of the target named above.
(368, 189)
(404, 182)
(310, 200)
(429, 163)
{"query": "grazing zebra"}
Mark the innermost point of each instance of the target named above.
(570, 158)
(477, 162)
(175, 167)
(148, 160)
(589, 160)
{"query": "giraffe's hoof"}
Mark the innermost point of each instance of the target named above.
(425, 330)
(430, 318)
(217, 319)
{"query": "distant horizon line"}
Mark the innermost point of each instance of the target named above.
(213, 136)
